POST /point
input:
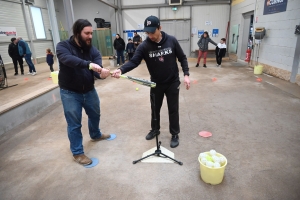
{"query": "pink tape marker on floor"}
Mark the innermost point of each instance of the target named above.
(205, 134)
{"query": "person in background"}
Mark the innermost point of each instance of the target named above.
(137, 39)
(220, 51)
(13, 52)
(25, 51)
(130, 48)
(203, 47)
(161, 52)
(119, 46)
(50, 60)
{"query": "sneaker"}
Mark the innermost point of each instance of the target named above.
(118, 65)
(197, 65)
(33, 73)
(29, 73)
(152, 134)
(16, 74)
(219, 66)
(82, 159)
(103, 137)
(174, 141)
(204, 66)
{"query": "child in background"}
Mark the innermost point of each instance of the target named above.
(220, 51)
(50, 60)
(130, 49)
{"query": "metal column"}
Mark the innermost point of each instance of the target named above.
(68, 7)
(54, 26)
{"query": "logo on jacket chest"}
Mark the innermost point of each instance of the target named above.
(160, 53)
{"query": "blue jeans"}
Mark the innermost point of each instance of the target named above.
(120, 54)
(73, 103)
(29, 63)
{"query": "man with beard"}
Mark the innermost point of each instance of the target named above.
(79, 61)
(160, 52)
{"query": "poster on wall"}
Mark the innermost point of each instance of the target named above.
(8, 31)
(274, 6)
(215, 32)
(200, 32)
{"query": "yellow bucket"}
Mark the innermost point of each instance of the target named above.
(258, 69)
(211, 175)
(54, 76)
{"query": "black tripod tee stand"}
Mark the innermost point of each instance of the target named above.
(158, 143)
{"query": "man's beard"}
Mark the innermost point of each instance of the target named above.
(84, 44)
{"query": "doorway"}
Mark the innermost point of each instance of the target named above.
(247, 39)
(178, 29)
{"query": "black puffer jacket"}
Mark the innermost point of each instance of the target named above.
(119, 44)
(203, 43)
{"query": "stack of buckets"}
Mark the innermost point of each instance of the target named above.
(212, 175)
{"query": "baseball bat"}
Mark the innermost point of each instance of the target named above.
(139, 81)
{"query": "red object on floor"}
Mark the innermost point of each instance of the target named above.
(214, 79)
(259, 79)
(25, 79)
(195, 81)
(205, 134)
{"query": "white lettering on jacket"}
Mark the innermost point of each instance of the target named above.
(161, 52)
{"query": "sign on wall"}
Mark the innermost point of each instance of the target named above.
(8, 31)
(207, 23)
(274, 6)
(215, 32)
(200, 32)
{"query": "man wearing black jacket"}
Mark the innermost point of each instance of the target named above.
(160, 52)
(13, 52)
(79, 61)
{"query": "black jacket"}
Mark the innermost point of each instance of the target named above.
(74, 73)
(137, 39)
(161, 59)
(130, 48)
(119, 44)
(220, 52)
(13, 51)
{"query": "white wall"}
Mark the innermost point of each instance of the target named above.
(141, 2)
(11, 15)
(217, 14)
(278, 47)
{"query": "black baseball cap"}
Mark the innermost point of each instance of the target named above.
(151, 24)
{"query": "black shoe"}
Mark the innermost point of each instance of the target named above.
(204, 65)
(16, 74)
(152, 134)
(197, 65)
(174, 141)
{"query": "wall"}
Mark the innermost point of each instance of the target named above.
(14, 8)
(278, 47)
(200, 14)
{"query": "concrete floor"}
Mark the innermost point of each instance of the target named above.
(256, 125)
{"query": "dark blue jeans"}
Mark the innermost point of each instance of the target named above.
(73, 103)
(120, 54)
(29, 63)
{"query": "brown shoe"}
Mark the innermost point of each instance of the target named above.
(103, 137)
(82, 159)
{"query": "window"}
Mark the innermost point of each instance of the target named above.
(38, 23)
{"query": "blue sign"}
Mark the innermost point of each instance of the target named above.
(215, 32)
(274, 6)
(130, 35)
(200, 32)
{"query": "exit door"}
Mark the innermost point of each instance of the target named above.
(180, 29)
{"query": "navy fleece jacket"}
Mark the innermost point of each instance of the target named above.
(160, 59)
(74, 73)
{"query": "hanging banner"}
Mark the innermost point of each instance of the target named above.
(274, 6)
(8, 31)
